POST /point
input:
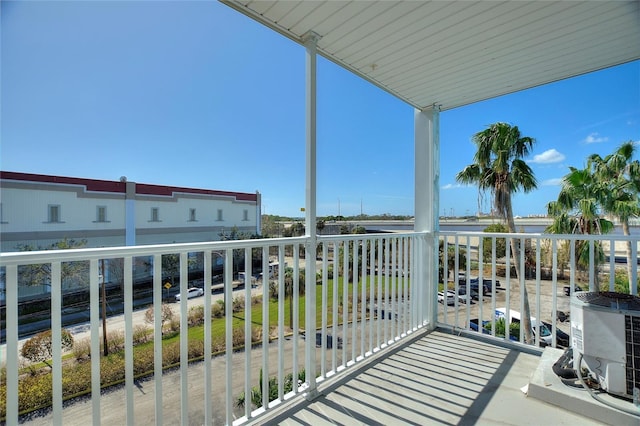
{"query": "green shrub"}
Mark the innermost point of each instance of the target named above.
(111, 369)
(143, 360)
(171, 354)
(195, 316)
(76, 379)
(238, 304)
(501, 243)
(514, 328)
(217, 309)
(620, 283)
(82, 348)
(196, 349)
(141, 334)
(115, 341)
(218, 343)
(238, 336)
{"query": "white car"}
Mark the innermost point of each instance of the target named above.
(192, 292)
(451, 297)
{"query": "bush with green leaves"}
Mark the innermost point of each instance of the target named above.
(514, 328)
(82, 348)
(256, 391)
(195, 315)
(217, 309)
(501, 243)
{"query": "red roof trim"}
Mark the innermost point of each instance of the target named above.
(117, 186)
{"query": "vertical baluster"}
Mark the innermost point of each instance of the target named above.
(281, 321)
(248, 286)
(128, 337)
(324, 304)
(56, 340)
(94, 297)
(157, 335)
(184, 339)
(296, 310)
(228, 320)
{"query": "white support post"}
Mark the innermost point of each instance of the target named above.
(310, 41)
(427, 204)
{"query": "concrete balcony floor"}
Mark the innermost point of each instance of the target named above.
(436, 378)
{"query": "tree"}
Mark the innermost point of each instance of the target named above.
(451, 260)
(501, 243)
(621, 176)
(166, 315)
(578, 210)
(498, 167)
(73, 274)
(39, 347)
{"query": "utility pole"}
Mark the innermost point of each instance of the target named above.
(104, 311)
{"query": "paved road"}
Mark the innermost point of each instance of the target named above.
(116, 323)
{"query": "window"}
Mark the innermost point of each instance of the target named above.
(54, 213)
(219, 215)
(155, 215)
(1, 215)
(101, 214)
(192, 215)
(245, 215)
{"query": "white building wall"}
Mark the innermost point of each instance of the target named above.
(25, 216)
(75, 212)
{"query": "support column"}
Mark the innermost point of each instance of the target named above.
(310, 41)
(130, 214)
(427, 205)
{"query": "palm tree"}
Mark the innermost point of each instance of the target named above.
(578, 210)
(498, 167)
(621, 175)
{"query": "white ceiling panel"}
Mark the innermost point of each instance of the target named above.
(453, 53)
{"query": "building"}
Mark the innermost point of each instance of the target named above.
(41, 210)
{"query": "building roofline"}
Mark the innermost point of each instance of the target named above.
(97, 185)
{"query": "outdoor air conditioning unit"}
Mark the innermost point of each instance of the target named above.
(605, 330)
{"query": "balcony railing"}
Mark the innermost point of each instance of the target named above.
(336, 305)
(548, 270)
(341, 300)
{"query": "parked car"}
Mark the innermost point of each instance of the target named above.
(191, 293)
(487, 286)
(451, 297)
(462, 292)
(562, 338)
(567, 289)
(545, 333)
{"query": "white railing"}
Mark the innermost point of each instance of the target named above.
(551, 270)
(367, 299)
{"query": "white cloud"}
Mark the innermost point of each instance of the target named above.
(548, 157)
(551, 182)
(595, 138)
(451, 186)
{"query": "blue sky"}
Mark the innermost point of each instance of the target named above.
(195, 94)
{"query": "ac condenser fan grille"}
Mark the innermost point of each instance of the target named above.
(618, 301)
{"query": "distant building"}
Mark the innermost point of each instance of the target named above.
(40, 210)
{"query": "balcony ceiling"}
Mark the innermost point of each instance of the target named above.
(453, 53)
